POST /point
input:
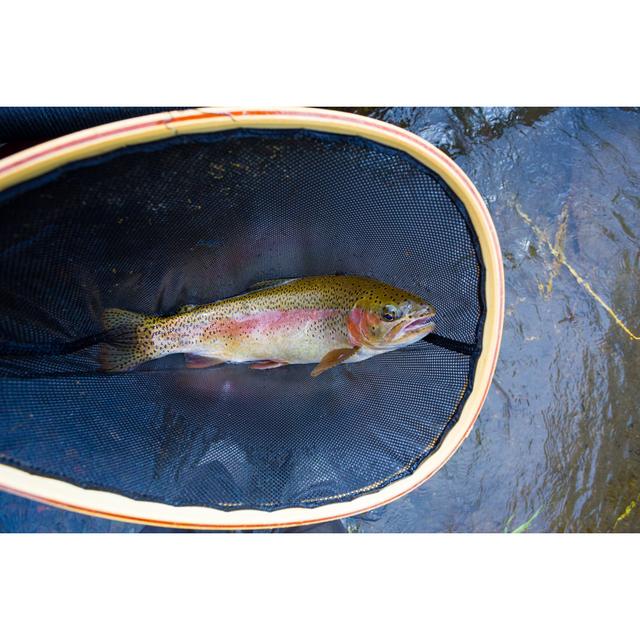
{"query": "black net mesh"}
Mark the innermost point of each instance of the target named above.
(197, 218)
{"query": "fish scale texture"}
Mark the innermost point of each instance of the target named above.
(194, 219)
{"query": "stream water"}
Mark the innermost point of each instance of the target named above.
(557, 445)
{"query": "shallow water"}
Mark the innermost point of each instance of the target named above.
(557, 444)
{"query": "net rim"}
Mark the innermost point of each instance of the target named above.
(43, 158)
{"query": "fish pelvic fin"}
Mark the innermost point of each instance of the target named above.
(267, 364)
(127, 345)
(194, 361)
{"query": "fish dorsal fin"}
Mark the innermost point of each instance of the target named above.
(269, 284)
(333, 359)
(186, 308)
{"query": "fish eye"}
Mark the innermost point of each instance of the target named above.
(391, 313)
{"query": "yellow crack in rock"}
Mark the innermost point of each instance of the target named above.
(558, 253)
(625, 514)
(561, 235)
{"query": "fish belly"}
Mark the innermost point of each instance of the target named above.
(292, 336)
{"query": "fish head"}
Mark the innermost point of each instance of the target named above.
(387, 318)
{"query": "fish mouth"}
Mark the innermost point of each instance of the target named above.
(419, 324)
(412, 329)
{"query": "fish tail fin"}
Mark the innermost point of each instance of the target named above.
(126, 346)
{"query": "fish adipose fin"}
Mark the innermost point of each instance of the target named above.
(200, 362)
(124, 349)
(333, 359)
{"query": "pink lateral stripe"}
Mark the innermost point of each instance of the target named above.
(275, 319)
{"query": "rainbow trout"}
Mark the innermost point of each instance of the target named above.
(328, 320)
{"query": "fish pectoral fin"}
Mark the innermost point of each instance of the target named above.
(332, 359)
(193, 361)
(268, 284)
(268, 364)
